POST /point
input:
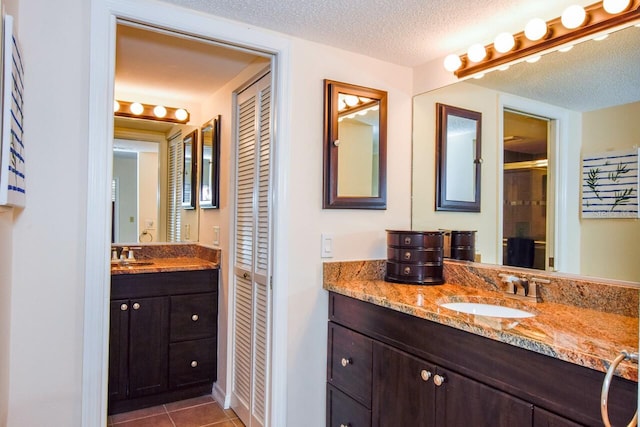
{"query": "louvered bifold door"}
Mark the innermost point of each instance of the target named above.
(252, 294)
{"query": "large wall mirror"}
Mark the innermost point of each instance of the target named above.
(210, 165)
(355, 147)
(595, 90)
(145, 208)
(458, 159)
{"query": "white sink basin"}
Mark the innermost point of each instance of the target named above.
(489, 310)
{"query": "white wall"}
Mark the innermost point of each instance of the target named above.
(148, 194)
(358, 234)
(47, 284)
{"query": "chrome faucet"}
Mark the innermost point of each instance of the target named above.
(522, 287)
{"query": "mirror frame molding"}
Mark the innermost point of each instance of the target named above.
(443, 111)
(191, 203)
(331, 199)
(214, 170)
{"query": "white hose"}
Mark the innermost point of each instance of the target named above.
(604, 397)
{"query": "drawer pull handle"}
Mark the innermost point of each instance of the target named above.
(346, 361)
(124, 307)
(425, 375)
(439, 380)
(194, 363)
(407, 255)
(136, 306)
(195, 317)
(407, 270)
(407, 240)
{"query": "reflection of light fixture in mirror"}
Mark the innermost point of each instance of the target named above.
(150, 112)
(573, 16)
(350, 100)
(557, 33)
(136, 108)
(534, 59)
(159, 111)
(566, 48)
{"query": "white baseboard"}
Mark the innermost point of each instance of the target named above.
(220, 396)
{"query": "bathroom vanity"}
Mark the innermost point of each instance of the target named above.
(163, 331)
(397, 357)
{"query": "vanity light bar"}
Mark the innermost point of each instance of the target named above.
(162, 113)
(596, 21)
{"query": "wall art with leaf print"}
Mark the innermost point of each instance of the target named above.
(610, 184)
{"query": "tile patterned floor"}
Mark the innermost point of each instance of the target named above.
(197, 412)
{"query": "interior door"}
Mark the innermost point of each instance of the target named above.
(252, 248)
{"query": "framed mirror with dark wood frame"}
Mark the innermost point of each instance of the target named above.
(189, 168)
(458, 161)
(210, 164)
(355, 147)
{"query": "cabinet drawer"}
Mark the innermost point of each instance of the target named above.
(193, 316)
(192, 363)
(344, 411)
(411, 256)
(350, 363)
(415, 239)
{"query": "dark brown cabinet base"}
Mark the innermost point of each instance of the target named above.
(163, 338)
(427, 374)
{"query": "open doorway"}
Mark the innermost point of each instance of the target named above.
(526, 191)
(155, 66)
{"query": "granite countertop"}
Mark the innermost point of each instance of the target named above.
(582, 336)
(161, 265)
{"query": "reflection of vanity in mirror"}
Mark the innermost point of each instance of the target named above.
(355, 142)
(589, 98)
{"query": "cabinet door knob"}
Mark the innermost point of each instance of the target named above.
(439, 380)
(194, 363)
(245, 276)
(425, 375)
(136, 306)
(346, 361)
(124, 307)
(195, 317)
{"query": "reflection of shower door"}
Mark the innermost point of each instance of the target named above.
(526, 190)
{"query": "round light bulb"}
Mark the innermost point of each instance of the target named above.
(504, 42)
(535, 29)
(351, 100)
(615, 6)
(136, 108)
(452, 62)
(573, 16)
(116, 106)
(181, 114)
(159, 111)
(476, 52)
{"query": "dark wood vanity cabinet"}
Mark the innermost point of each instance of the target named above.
(387, 368)
(162, 337)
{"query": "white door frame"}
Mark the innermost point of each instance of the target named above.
(566, 134)
(104, 14)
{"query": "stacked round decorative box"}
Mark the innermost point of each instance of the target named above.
(415, 257)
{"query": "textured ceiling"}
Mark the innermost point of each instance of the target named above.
(408, 32)
(405, 32)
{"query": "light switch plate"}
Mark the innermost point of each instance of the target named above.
(216, 235)
(326, 247)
